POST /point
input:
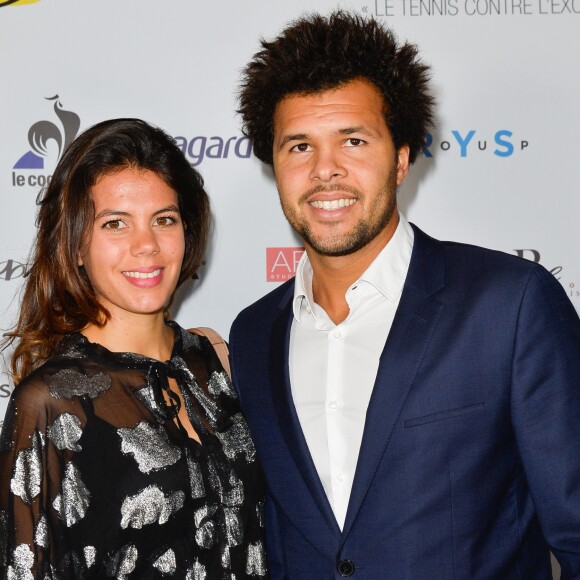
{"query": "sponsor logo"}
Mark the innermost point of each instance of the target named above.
(4, 3)
(501, 143)
(5, 387)
(198, 148)
(47, 140)
(11, 269)
(473, 8)
(281, 263)
(571, 288)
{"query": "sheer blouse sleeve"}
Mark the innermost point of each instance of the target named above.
(33, 445)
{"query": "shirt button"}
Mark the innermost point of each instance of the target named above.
(340, 477)
(333, 404)
(309, 310)
(337, 334)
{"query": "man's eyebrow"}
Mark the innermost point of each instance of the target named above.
(357, 129)
(293, 137)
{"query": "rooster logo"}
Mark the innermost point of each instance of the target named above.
(42, 132)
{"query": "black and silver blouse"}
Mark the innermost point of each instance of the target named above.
(98, 478)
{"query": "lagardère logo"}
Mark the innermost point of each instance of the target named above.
(534, 255)
(199, 148)
(46, 139)
(11, 269)
(500, 143)
(281, 263)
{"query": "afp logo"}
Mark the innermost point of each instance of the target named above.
(47, 139)
(281, 263)
(501, 143)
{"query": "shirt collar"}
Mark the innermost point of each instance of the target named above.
(388, 270)
(386, 273)
(302, 286)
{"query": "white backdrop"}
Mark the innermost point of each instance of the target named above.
(501, 170)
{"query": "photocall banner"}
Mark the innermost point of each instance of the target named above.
(500, 169)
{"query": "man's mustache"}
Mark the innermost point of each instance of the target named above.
(320, 188)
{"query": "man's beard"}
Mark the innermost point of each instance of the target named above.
(362, 233)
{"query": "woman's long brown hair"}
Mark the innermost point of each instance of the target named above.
(58, 297)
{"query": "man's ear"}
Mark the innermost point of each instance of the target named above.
(402, 163)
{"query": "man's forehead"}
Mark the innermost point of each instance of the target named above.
(345, 103)
(356, 85)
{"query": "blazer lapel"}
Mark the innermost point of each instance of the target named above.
(412, 328)
(287, 416)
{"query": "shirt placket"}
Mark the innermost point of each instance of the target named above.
(340, 475)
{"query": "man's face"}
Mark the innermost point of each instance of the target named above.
(337, 169)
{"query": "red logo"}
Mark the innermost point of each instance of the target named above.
(281, 263)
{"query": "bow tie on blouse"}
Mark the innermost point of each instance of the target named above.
(158, 381)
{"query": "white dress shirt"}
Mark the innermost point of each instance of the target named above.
(333, 367)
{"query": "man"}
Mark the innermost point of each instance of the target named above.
(415, 404)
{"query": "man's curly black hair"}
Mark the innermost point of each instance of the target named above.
(317, 53)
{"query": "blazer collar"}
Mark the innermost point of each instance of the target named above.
(288, 418)
(414, 324)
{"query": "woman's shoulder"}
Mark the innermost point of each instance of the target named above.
(66, 374)
(199, 345)
(205, 362)
(34, 396)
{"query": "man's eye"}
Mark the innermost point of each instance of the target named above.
(301, 147)
(354, 142)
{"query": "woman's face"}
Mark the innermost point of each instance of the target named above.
(134, 254)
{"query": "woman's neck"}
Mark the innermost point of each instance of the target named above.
(145, 335)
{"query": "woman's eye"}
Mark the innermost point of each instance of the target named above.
(113, 225)
(165, 220)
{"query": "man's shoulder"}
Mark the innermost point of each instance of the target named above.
(467, 270)
(470, 257)
(267, 307)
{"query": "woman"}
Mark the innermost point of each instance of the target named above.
(123, 453)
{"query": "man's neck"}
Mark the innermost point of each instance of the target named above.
(333, 275)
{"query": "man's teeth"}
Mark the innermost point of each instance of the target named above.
(334, 204)
(153, 274)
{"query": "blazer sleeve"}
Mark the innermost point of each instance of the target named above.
(274, 546)
(546, 412)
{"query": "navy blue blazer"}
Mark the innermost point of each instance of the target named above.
(469, 466)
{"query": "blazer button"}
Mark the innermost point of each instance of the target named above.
(345, 568)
